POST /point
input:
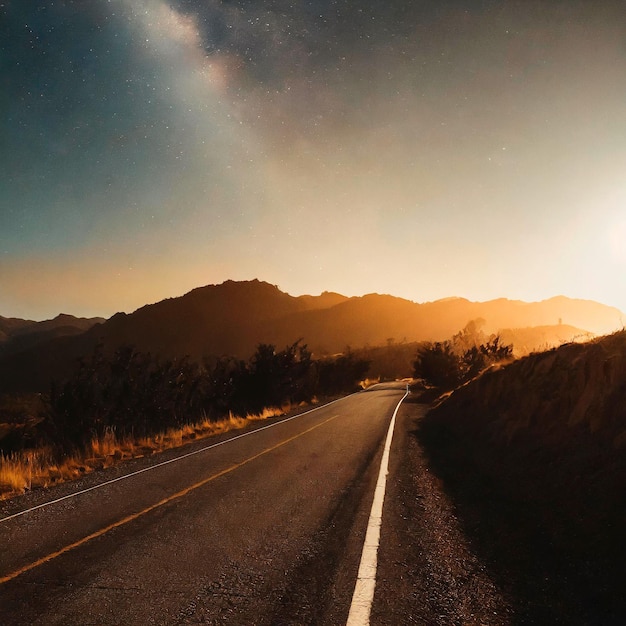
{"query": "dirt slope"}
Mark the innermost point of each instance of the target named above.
(535, 456)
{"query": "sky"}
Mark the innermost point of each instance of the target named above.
(421, 149)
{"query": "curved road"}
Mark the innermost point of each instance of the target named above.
(265, 528)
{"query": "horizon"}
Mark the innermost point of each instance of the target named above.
(426, 151)
(252, 280)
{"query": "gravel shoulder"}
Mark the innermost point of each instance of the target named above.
(428, 572)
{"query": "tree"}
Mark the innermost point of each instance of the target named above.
(438, 365)
(339, 374)
(450, 363)
(273, 378)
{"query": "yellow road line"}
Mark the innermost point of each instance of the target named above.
(134, 516)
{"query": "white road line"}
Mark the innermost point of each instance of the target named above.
(366, 579)
(178, 458)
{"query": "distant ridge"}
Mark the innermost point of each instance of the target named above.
(17, 335)
(234, 317)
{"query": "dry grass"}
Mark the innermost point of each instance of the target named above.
(27, 470)
(16, 471)
(368, 382)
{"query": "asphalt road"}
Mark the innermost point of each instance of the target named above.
(266, 528)
(260, 527)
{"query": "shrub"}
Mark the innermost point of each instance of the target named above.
(450, 363)
(134, 393)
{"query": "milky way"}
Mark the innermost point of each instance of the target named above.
(423, 149)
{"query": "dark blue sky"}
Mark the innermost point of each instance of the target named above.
(420, 149)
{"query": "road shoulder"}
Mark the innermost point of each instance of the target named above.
(428, 573)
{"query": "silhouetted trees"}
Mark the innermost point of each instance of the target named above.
(450, 363)
(128, 391)
(340, 374)
(139, 393)
(272, 378)
(390, 362)
(438, 365)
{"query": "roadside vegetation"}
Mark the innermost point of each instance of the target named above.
(29, 469)
(451, 363)
(533, 455)
(392, 361)
(130, 403)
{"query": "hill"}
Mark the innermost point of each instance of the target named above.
(534, 456)
(234, 317)
(541, 338)
(17, 335)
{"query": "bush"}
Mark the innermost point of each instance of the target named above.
(130, 392)
(449, 364)
(438, 365)
(340, 374)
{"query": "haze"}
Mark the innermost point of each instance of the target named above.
(426, 150)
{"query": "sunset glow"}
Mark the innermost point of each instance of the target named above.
(424, 150)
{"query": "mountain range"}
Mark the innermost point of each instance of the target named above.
(234, 317)
(17, 335)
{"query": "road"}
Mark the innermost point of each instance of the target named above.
(264, 526)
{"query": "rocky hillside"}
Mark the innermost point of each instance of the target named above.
(535, 454)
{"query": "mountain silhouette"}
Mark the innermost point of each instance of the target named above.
(17, 335)
(234, 317)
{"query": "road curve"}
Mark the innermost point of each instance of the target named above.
(262, 529)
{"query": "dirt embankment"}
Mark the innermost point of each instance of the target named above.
(534, 456)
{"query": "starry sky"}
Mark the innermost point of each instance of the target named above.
(424, 149)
